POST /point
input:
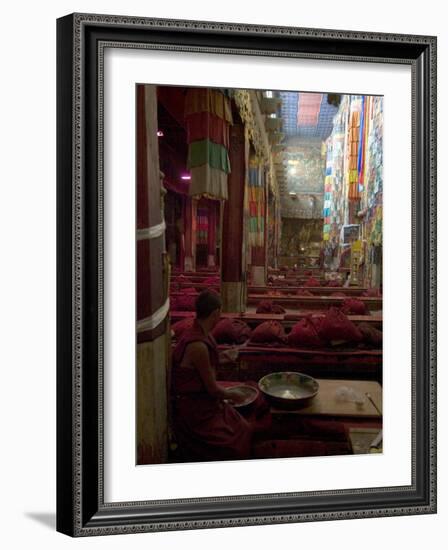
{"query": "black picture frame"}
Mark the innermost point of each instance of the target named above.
(81, 510)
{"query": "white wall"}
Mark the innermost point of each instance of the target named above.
(27, 305)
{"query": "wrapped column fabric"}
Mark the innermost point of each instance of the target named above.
(199, 100)
(206, 152)
(208, 116)
(205, 125)
(208, 182)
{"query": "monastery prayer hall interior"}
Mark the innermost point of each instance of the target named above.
(258, 274)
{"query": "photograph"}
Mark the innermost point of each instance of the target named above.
(246, 274)
(267, 255)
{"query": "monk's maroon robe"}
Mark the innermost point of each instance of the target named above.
(206, 428)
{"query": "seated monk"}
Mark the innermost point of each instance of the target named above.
(206, 425)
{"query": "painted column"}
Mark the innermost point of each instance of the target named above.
(233, 287)
(152, 285)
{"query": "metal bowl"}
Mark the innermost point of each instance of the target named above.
(289, 389)
(249, 394)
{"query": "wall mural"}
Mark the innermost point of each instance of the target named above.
(300, 237)
(302, 197)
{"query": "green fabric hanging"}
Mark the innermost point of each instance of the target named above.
(207, 152)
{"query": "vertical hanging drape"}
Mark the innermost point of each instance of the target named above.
(202, 225)
(208, 116)
(353, 150)
(211, 235)
(256, 198)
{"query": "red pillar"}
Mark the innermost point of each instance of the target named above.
(190, 234)
(152, 286)
(233, 288)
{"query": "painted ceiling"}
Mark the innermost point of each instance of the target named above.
(318, 129)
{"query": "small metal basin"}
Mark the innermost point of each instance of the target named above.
(289, 389)
(244, 395)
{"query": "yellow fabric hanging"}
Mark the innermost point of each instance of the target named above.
(199, 100)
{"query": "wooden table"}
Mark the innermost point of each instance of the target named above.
(325, 403)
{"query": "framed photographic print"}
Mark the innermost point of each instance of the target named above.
(246, 274)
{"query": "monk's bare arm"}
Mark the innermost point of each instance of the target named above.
(198, 356)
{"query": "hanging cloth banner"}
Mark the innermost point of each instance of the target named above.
(256, 199)
(207, 152)
(204, 125)
(353, 144)
(202, 226)
(199, 100)
(208, 182)
(364, 138)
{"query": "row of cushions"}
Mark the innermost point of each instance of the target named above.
(350, 306)
(267, 306)
(186, 302)
(227, 331)
(315, 332)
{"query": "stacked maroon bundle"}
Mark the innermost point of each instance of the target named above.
(231, 331)
(312, 281)
(304, 292)
(371, 335)
(269, 332)
(305, 333)
(266, 306)
(182, 279)
(352, 306)
(212, 281)
(181, 326)
(338, 294)
(174, 287)
(185, 302)
(336, 326)
(189, 290)
(334, 283)
(372, 293)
